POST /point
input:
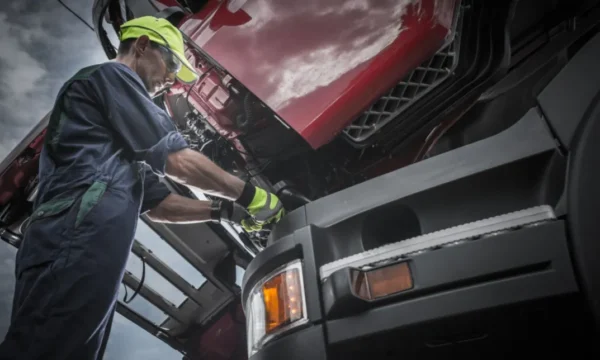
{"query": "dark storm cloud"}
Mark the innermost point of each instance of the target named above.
(41, 46)
(7, 284)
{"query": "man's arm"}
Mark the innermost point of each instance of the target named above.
(192, 168)
(149, 134)
(160, 205)
(181, 210)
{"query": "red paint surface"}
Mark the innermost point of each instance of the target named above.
(224, 339)
(22, 169)
(318, 64)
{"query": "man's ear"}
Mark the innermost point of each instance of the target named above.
(141, 44)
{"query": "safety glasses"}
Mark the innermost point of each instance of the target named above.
(171, 61)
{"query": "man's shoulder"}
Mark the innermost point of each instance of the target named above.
(105, 68)
(109, 76)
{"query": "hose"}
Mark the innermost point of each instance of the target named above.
(245, 119)
(140, 285)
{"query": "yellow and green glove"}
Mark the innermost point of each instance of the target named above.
(264, 208)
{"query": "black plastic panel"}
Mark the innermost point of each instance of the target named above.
(509, 172)
(542, 329)
(491, 177)
(566, 99)
(525, 265)
(301, 345)
(291, 222)
(583, 203)
(528, 137)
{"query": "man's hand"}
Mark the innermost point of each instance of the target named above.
(191, 168)
(265, 208)
(228, 211)
(224, 210)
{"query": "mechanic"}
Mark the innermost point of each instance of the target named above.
(107, 144)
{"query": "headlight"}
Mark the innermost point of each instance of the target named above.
(275, 305)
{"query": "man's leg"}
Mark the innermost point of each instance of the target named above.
(65, 301)
(61, 313)
(106, 335)
(68, 274)
(96, 346)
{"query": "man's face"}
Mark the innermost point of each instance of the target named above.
(153, 65)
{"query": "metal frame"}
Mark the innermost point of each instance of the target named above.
(148, 326)
(184, 250)
(165, 271)
(153, 297)
(184, 313)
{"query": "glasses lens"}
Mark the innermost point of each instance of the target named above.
(172, 62)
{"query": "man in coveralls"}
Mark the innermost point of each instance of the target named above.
(105, 147)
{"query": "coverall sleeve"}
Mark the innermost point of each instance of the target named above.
(154, 191)
(145, 129)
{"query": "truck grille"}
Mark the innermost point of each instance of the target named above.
(409, 90)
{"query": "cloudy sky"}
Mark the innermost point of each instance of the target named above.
(42, 45)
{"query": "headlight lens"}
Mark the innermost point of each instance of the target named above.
(275, 305)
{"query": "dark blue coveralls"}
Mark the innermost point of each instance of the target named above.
(106, 145)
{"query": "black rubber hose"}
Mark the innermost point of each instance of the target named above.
(245, 119)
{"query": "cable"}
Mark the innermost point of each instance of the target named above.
(153, 5)
(139, 287)
(79, 17)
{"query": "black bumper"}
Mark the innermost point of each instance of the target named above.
(308, 343)
(476, 294)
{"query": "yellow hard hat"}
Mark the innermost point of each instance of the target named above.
(161, 31)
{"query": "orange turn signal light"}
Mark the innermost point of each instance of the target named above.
(380, 282)
(283, 299)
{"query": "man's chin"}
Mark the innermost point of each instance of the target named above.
(152, 90)
(158, 92)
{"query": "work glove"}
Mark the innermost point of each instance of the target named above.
(264, 207)
(228, 211)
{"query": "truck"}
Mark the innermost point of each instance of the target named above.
(437, 159)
